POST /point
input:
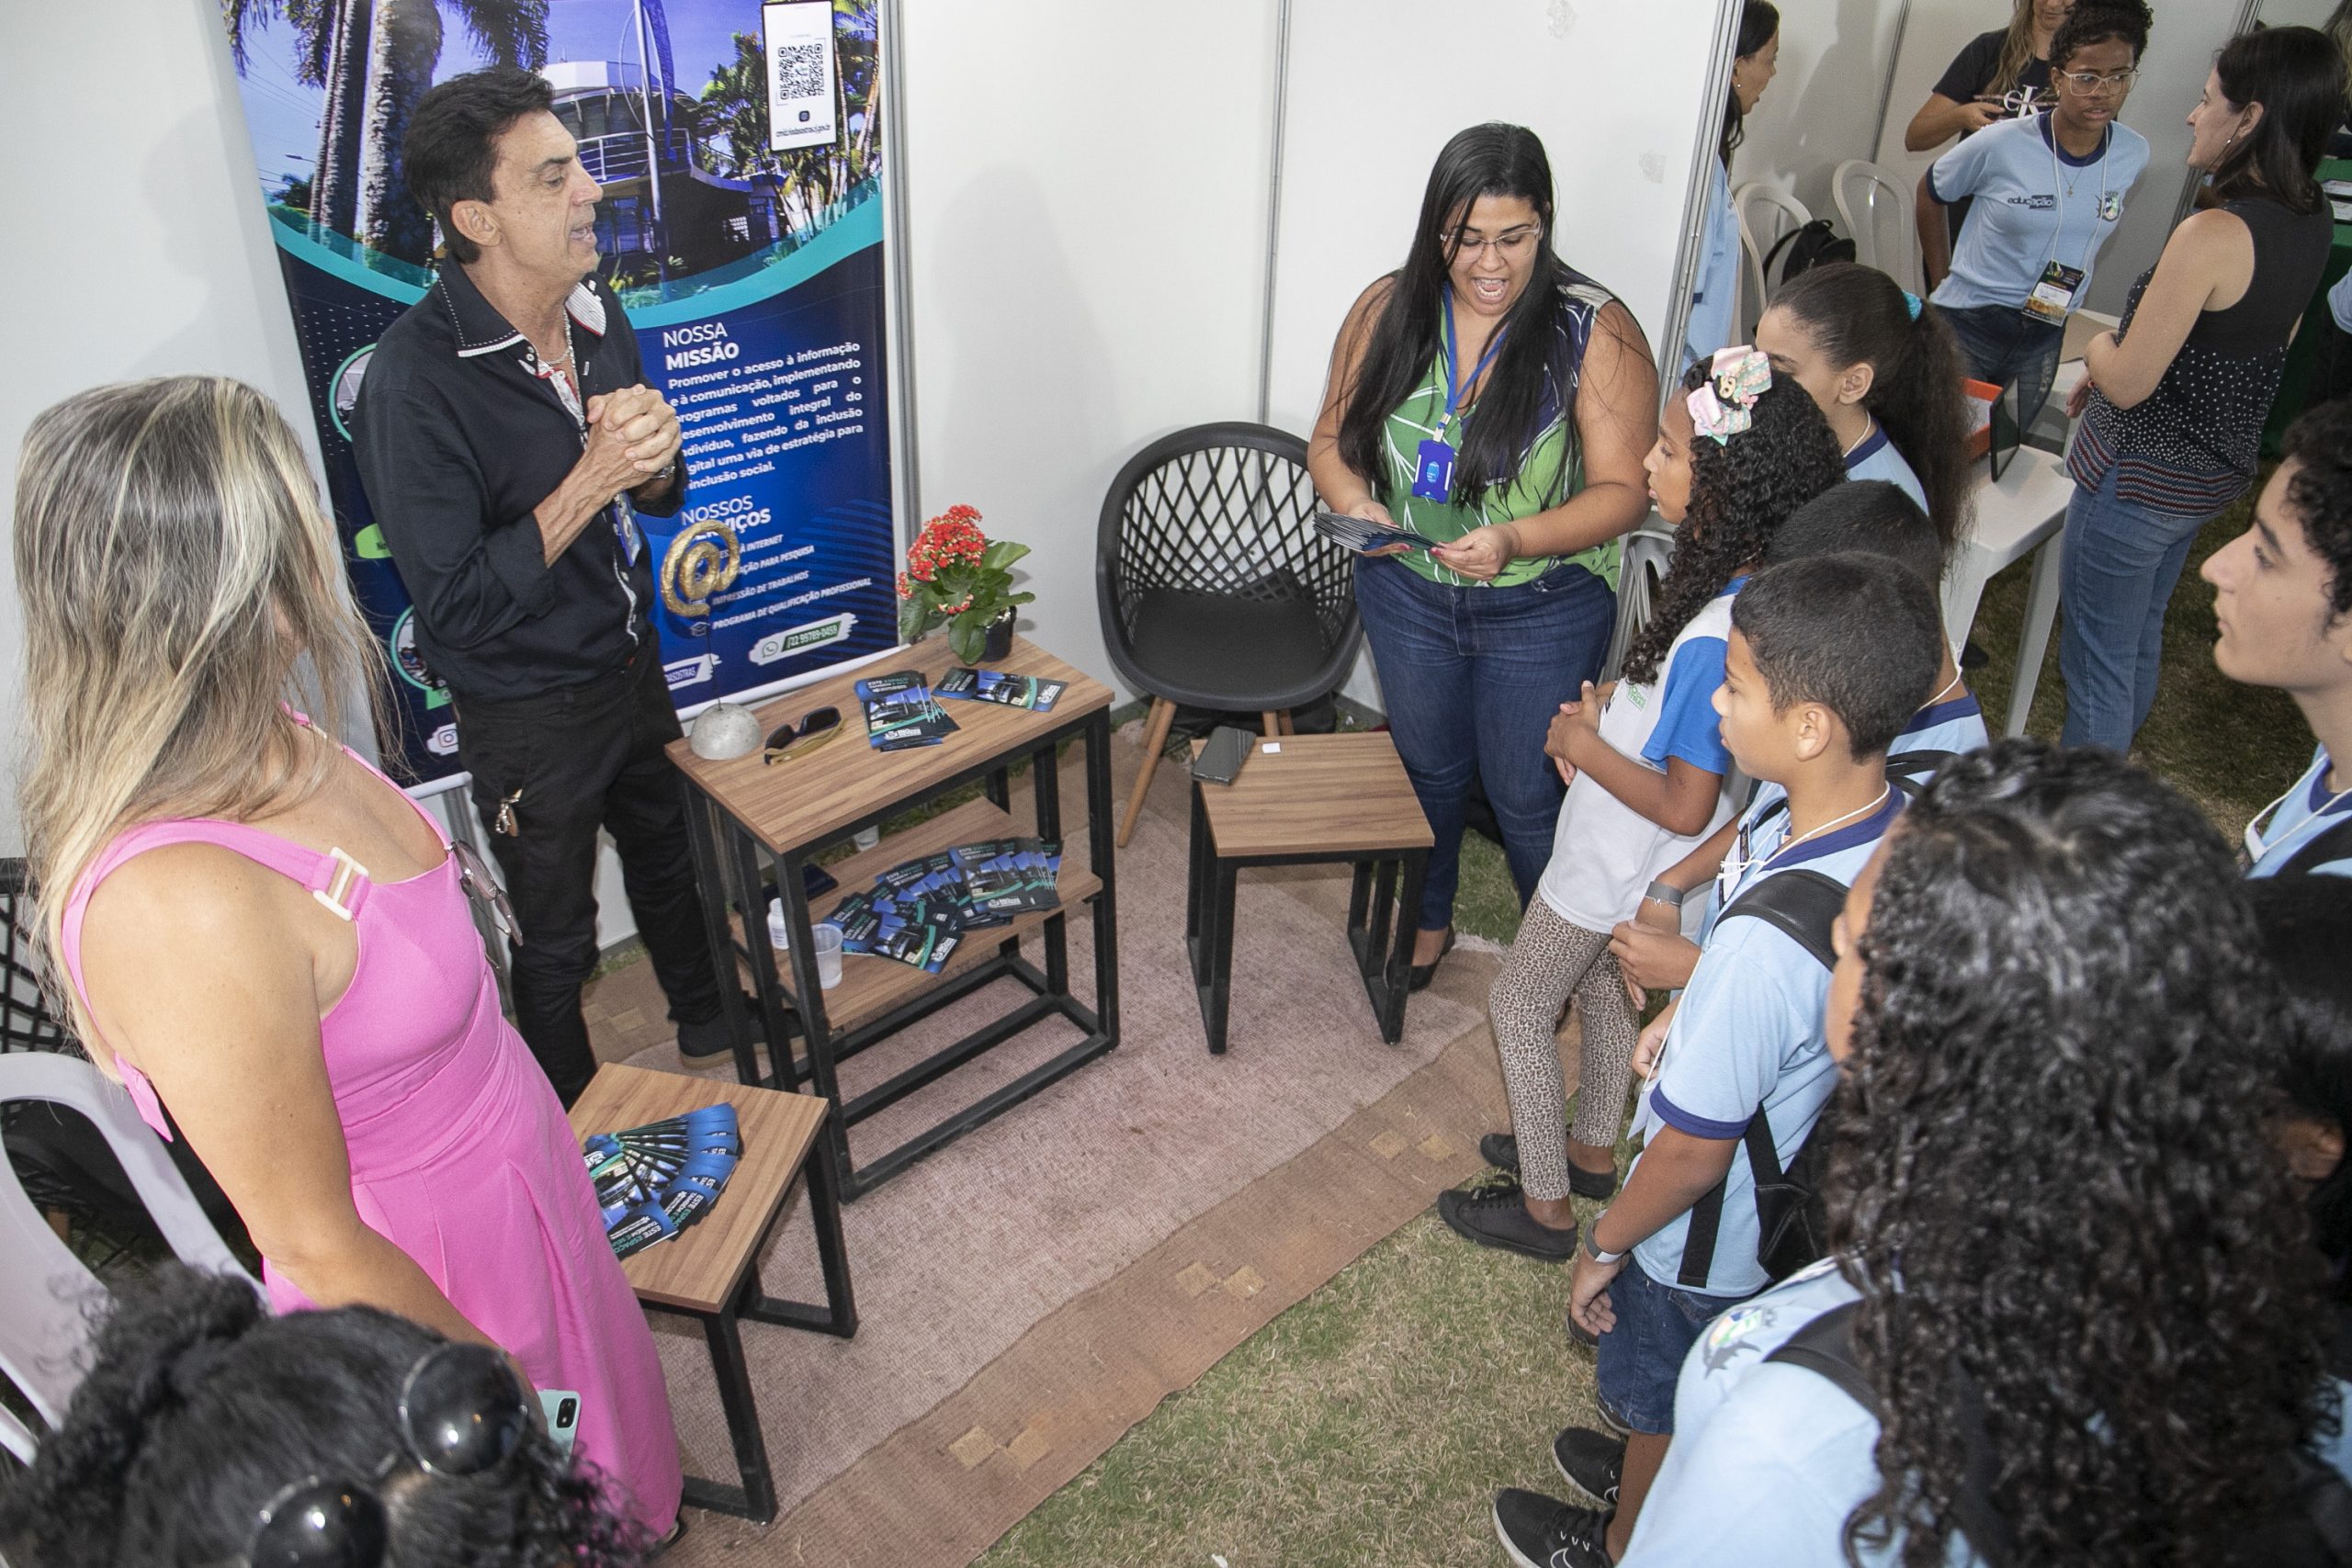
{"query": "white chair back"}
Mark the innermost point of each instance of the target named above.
(46, 1294)
(1640, 571)
(1764, 214)
(1877, 211)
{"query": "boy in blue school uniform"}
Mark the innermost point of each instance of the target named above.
(2283, 604)
(1828, 658)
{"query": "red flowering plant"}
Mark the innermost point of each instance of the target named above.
(956, 574)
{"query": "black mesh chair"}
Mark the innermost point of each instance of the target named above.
(1213, 587)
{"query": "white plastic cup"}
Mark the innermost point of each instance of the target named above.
(779, 930)
(829, 956)
(866, 837)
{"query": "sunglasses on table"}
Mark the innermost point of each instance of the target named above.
(802, 735)
(461, 1413)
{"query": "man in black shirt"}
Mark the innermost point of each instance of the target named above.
(506, 440)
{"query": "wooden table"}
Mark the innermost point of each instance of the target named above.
(710, 1271)
(1301, 800)
(790, 811)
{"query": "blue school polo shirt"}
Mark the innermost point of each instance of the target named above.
(1747, 1035)
(2309, 809)
(1876, 458)
(1768, 1460)
(2025, 216)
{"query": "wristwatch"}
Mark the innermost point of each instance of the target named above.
(1592, 1251)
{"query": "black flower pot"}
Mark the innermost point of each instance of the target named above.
(999, 643)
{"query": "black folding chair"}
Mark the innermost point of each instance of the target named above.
(1215, 589)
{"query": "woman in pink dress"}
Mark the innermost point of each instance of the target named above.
(262, 933)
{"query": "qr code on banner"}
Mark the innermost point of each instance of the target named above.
(800, 70)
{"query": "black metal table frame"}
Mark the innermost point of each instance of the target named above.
(1374, 900)
(727, 858)
(755, 1499)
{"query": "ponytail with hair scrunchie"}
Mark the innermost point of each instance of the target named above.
(1913, 303)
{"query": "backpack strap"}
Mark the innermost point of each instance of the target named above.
(1802, 906)
(1783, 243)
(1910, 771)
(1824, 1347)
(2331, 844)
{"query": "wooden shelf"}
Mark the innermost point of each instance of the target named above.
(872, 985)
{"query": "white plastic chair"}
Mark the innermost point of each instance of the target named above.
(2023, 513)
(1877, 211)
(47, 1293)
(1777, 213)
(1646, 550)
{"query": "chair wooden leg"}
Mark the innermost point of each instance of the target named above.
(1288, 726)
(1272, 721)
(1155, 742)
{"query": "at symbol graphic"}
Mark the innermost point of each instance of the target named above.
(701, 561)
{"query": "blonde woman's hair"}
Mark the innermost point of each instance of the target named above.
(2017, 50)
(173, 561)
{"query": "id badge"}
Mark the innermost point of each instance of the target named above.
(2053, 298)
(1434, 479)
(625, 528)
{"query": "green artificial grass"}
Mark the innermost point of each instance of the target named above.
(1373, 1422)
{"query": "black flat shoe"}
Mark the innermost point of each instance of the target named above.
(1422, 974)
(1501, 1151)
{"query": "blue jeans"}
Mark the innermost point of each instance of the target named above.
(1640, 1359)
(2121, 562)
(2001, 344)
(1472, 677)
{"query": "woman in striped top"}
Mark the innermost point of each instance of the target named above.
(2174, 403)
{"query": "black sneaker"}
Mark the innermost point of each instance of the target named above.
(1498, 1217)
(1593, 1462)
(1609, 1418)
(1543, 1532)
(1501, 1150)
(701, 1041)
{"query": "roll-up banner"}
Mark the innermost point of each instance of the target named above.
(738, 146)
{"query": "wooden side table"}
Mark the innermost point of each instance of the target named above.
(1305, 800)
(709, 1273)
(739, 807)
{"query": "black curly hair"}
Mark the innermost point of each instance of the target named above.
(1741, 491)
(2319, 490)
(2049, 1180)
(2099, 21)
(1857, 315)
(200, 1407)
(2306, 929)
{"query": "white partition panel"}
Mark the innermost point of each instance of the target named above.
(1375, 88)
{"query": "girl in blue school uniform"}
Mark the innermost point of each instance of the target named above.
(1738, 453)
(2003, 1189)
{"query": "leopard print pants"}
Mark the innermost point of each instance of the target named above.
(1551, 959)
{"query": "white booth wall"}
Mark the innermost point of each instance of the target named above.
(1087, 197)
(1823, 105)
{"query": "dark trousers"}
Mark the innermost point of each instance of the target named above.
(565, 765)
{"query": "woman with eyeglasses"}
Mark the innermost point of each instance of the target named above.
(2048, 193)
(2002, 74)
(209, 1432)
(2176, 396)
(1488, 397)
(251, 927)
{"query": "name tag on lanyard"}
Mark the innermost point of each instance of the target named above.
(1434, 464)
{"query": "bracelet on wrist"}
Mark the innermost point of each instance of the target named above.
(1592, 1247)
(1661, 891)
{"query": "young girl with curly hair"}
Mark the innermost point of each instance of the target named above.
(2072, 1275)
(1736, 454)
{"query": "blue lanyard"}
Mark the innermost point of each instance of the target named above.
(1453, 392)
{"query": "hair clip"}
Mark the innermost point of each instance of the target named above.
(1721, 408)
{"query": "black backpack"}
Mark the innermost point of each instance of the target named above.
(2312, 1528)
(1817, 244)
(2330, 844)
(1793, 1222)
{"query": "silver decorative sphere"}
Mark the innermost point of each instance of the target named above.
(724, 731)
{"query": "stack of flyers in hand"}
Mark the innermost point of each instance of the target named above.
(900, 712)
(995, 686)
(653, 1181)
(924, 932)
(1005, 877)
(1362, 533)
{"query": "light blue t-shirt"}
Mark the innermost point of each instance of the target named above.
(1748, 1036)
(1876, 458)
(2309, 809)
(1769, 1459)
(2339, 302)
(1716, 292)
(2026, 216)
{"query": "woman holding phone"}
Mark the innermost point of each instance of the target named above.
(1488, 397)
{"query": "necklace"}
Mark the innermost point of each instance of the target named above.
(1949, 687)
(1870, 428)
